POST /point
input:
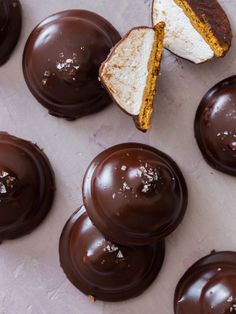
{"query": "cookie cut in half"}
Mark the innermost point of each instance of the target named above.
(196, 30)
(131, 70)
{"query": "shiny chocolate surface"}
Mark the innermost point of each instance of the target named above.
(61, 61)
(134, 194)
(10, 27)
(26, 186)
(102, 269)
(215, 126)
(209, 286)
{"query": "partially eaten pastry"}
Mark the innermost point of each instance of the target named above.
(196, 30)
(131, 70)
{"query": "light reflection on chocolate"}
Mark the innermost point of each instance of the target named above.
(215, 126)
(26, 186)
(209, 286)
(10, 27)
(102, 269)
(61, 62)
(134, 194)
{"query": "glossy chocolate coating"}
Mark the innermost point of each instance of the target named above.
(215, 126)
(134, 194)
(209, 286)
(102, 269)
(10, 27)
(26, 186)
(61, 62)
(213, 14)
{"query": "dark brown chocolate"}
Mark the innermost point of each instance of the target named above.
(10, 27)
(209, 286)
(211, 13)
(26, 186)
(215, 126)
(134, 194)
(61, 62)
(102, 269)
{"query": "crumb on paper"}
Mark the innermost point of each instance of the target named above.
(92, 298)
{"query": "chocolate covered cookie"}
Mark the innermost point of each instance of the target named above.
(134, 194)
(10, 27)
(209, 286)
(215, 126)
(61, 62)
(26, 186)
(104, 270)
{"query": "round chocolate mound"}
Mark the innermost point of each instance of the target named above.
(61, 62)
(134, 194)
(209, 286)
(215, 126)
(26, 186)
(104, 270)
(10, 27)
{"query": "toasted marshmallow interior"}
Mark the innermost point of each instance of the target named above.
(126, 71)
(181, 37)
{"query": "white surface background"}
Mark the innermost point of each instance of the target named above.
(31, 280)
